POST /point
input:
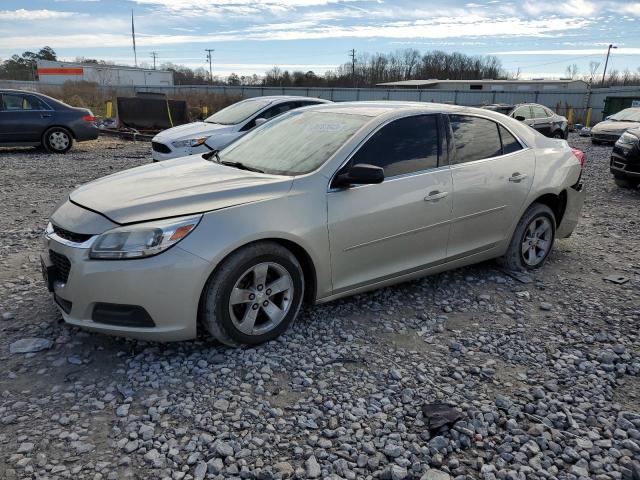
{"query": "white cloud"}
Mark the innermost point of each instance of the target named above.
(582, 51)
(631, 8)
(28, 15)
(437, 28)
(567, 7)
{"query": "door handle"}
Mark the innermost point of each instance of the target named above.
(45, 115)
(435, 196)
(517, 177)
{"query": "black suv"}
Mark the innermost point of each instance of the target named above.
(625, 159)
(545, 121)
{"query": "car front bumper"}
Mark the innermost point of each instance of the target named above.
(164, 289)
(625, 161)
(608, 137)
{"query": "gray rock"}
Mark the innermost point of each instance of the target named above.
(30, 345)
(433, 474)
(223, 449)
(312, 467)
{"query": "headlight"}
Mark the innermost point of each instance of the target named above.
(191, 142)
(143, 239)
(627, 139)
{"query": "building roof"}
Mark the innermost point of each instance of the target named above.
(97, 66)
(422, 83)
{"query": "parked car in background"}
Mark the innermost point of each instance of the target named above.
(33, 119)
(625, 159)
(224, 126)
(320, 203)
(610, 130)
(539, 117)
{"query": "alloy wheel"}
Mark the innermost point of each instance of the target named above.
(537, 241)
(261, 298)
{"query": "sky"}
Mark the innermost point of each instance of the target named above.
(540, 38)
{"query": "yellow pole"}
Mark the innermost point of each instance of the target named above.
(570, 116)
(205, 111)
(588, 122)
(109, 108)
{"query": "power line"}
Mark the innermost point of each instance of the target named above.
(210, 57)
(154, 55)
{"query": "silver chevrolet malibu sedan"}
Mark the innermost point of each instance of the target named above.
(320, 203)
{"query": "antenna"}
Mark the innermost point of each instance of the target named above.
(133, 36)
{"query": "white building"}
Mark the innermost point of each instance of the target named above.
(53, 72)
(490, 85)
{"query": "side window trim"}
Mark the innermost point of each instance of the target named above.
(522, 143)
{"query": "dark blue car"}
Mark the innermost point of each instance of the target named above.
(32, 119)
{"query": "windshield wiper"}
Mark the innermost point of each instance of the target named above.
(239, 165)
(212, 154)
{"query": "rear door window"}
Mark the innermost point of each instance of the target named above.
(524, 111)
(538, 112)
(474, 138)
(17, 102)
(403, 146)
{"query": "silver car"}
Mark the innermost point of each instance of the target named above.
(320, 203)
(224, 126)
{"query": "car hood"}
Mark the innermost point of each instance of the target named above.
(182, 186)
(609, 126)
(192, 130)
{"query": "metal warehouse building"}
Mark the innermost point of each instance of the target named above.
(490, 85)
(57, 73)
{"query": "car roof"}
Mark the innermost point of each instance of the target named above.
(382, 107)
(287, 98)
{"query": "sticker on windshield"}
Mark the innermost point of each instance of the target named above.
(325, 127)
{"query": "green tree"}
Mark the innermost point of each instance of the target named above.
(23, 67)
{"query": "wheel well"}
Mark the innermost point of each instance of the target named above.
(557, 204)
(73, 135)
(308, 269)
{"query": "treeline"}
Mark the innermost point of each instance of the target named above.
(367, 70)
(370, 69)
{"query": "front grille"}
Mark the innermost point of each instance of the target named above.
(605, 137)
(71, 236)
(62, 264)
(160, 147)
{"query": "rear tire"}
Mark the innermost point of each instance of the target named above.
(253, 296)
(626, 182)
(532, 239)
(558, 134)
(57, 140)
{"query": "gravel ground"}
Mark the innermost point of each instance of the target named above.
(543, 378)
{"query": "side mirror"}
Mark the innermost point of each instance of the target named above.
(360, 174)
(260, 121)
(520, 118)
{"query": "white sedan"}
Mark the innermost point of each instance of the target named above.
(223, 127)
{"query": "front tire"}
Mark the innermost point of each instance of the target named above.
(558, 134)
(532, 239)
(626, 182)
(253, 296)
(57, 140)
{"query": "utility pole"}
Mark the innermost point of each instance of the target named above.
(154, 55)
(209, 57)
(133, 36)
(607, 62)
(352, 53)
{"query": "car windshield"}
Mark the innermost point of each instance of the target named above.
(238, 112)
(295, 143)
(627, 115)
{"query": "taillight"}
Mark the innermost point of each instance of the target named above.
(89, 118)
(579, 154)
